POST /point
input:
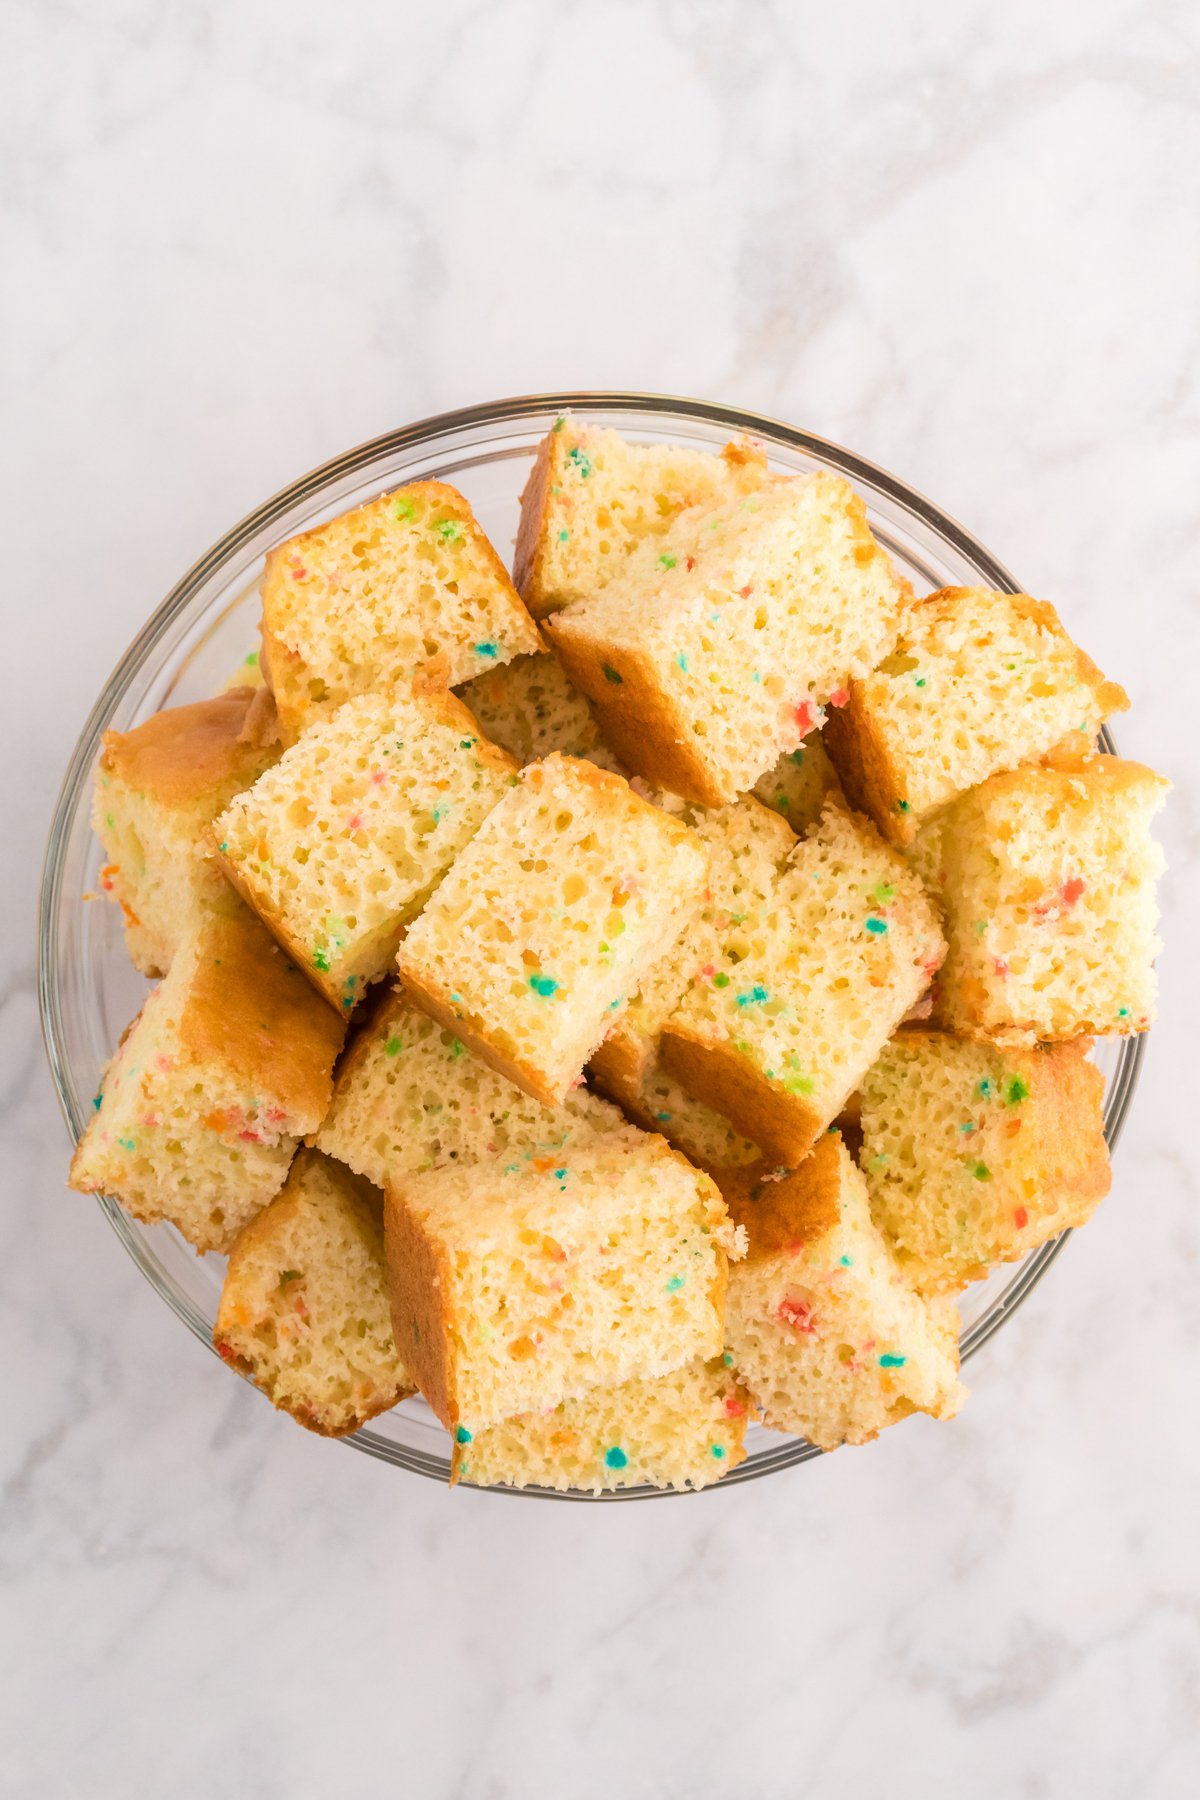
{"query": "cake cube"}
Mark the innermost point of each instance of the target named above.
(977, 683)
(529, 708)
(708, 661)
(515, 1289)
(409, 1096)
(227, 1065)
(800, 783)
(158, 789)
(405, 589)
(1047, 882)
(974, 1155)
(803, 996)
(748, 847)
(824, 1330)
(550, 918)
(681, 1430)
(304, 1310)
(592, 498)
(338, 846)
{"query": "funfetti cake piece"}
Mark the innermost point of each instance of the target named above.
(550, 918)
(592, 499)
(406, 587)
(410, 1097)
(338, 846)
(976, 683)
(804, 995)
(227, 1065)
(681, 1430)
(748, 848)
(158, 789)
(800, 783)
(824, 1330)
(657, 1102)
(708, 661)
(974, 1155)
(529, 708)
(304, 1311)
(514, 1290)
(1047, 881)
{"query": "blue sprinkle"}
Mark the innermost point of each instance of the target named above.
(718, 1450)
(681, 661)
(756, 995)
(543, 985)
(487, 649)
(675, 1283)
(888, 1361)
(462, 1435)
(615, 1457)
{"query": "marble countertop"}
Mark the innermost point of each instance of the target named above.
(959, 238)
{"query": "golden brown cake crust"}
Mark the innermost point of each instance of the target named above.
(423, 1323)
(784, 1214)
(529, 555)
(250, 1008)
(184, 752)
(713, 1071)
(869, 778)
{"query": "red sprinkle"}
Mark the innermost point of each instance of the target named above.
(796, 1314)
(690, 563)
(354, 822)
(746, 592)
(806, 716)
(1070, 891)
(839, 698)
(1000, 966)
(734, 1408)
(1020, 1218)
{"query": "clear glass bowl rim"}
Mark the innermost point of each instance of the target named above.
(515, 410)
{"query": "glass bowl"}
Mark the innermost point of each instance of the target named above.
(200, 635)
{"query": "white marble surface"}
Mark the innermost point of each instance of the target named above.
(960, 237)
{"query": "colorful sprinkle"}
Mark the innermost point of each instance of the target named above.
(98, 1100)
(321, 961)
(610, 674)
(667, 560)
(727, 1360)
(252, 660)
(1015, 1091)
(462, 1435)
(615, 1457)
(890, 1361)
(798, 758)
(839, 698)
(718, 1450)
(582, 461)
(675, 1283)
(487, 649)
(543, 985)
(393, 1047)
(563, 536)
(754, 996)
(981, 1172)
(875, 924)
(847, 1262)
(405, 509)
(796, 1313)
(1020, 1218)
(456, 1049)
(903, 806)
(720, 980)
(662, 1117)
(984, 1090)
(681, 662)
(1122, 1012)
(450, 530)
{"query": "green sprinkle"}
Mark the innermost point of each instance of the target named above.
(984, 1090)
(1122, 1012)
(466, 743)
(720, 979)
(487, 649)
(754, 996)
(560, 1174)
(98, 1100)
(456, 1049)
(662, 1117)
(727, 1360)
(981, 926)
(718, 1450)
(798, 758)
(543, 985)
(919, 680)
(127, 1143)
(450, 530)
(393, 1047)
(667, 560)
(904, 806)
(582, 461)
(847, 1262)
(462, 1435)
(405, 509)
(563, 536)
(798, 1084)
(321, 961)
(875, 924)
(889, 1361)
(675, 1283)
(981, 1172)
(1016, 1090)
(252, 660)
(108, 820)
(223, 846)
(610, 674)
(615, 1457)
(883, 893)
(968, 1126)
(560, 422)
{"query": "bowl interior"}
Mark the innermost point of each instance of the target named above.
(202, 634)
